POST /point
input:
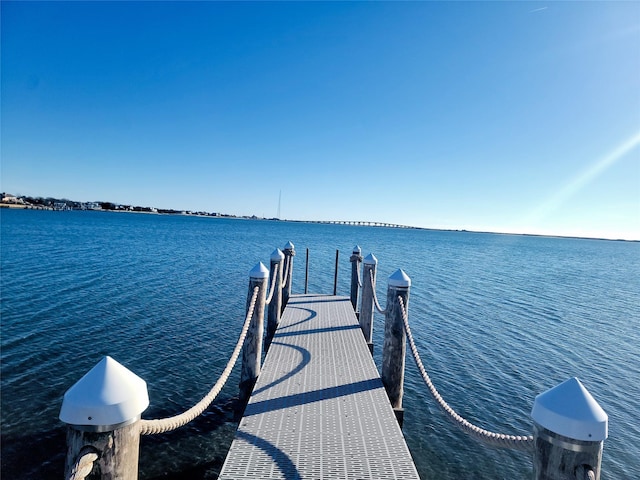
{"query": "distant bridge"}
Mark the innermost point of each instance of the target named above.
(358, 223)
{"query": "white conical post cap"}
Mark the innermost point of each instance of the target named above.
(370, 259)
(357, 250)
(399, 279)
(259, 271)
(289, 246)
(277, 255)
(109, 394)
(569, 409)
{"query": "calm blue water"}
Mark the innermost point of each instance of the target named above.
(498, 319)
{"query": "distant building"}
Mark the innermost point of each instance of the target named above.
(12, 199)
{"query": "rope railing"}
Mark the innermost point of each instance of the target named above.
(153, 427)
(375, 295)
(83, 464)
(273, 284)
(287, 273)
(102, 449)
(515, 442)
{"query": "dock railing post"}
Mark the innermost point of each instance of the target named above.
(569, 432)
(370, 264)
(252, 347)
(355, 259)
(395, 341)
(289, 253)
(306, 274)
(275, 306)
(102, 412)
(335, 276)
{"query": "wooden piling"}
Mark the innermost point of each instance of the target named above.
(275, 306)
(252, 348)
(102, 411)
(355, 260)
(370, 264)
(289, 253)
(569, 431)
(117, 452)
(395, 341)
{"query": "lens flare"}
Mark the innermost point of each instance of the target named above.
(581, 180)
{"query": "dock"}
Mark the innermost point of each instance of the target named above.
(318, 409)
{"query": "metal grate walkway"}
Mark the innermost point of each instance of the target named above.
(318, 409)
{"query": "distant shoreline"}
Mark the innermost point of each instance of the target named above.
(319, 222)
(23, 207)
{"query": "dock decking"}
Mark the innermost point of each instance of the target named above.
(319, 409)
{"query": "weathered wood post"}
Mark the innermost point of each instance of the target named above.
(355, 260)
(569, 431)
(395, 341)
(102, 411)
(252, 348)
(289, 253)
(275, 306)
(370, 264)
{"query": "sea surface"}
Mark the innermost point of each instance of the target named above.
(498, 319)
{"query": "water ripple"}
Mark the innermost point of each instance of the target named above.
(497, 319)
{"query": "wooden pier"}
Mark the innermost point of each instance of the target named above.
(319, 409)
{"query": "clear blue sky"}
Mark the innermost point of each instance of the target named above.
(499, 116)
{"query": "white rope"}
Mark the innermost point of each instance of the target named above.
(83, 465)
(273, 284)
(287, 276)
(375, 295)
(152, 427)
(515, 442)
(585, 472)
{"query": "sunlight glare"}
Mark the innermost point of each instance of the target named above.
(580, 181)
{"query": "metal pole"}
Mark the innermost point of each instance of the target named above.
(335, 278)
(306, 275)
